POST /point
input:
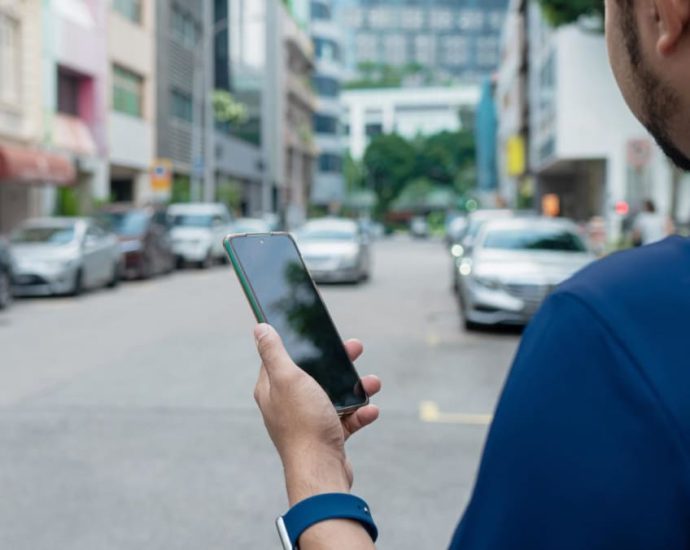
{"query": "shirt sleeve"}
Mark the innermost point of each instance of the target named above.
(582, 452)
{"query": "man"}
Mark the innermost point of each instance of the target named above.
(590, 446)
(651, 226)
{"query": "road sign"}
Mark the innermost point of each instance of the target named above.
(161, 176)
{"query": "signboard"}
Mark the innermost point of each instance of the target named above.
(516, 156)
(639, 153)
(161, 176)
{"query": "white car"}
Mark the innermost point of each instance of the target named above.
(64, 256)
(197, 231)
(514, 266)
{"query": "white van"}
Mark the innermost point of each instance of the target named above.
(197, 231)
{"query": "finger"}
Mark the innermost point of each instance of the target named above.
(371, 385)
(354, 349)
(360, 418)
(262, 388)
(273, 355)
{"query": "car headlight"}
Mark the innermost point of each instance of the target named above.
(457, 250)
(490, 284)
(465, 268)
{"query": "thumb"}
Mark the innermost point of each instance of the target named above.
(271, 350)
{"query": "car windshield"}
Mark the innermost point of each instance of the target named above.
(560, 240)
(47, 235)
(192, 220)
(127, 224)
(326, 234)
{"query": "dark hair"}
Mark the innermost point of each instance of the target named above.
(649, 206)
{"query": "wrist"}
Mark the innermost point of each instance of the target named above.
(310, 474)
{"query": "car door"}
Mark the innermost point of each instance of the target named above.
(97, 256)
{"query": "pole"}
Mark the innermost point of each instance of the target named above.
(209, 189)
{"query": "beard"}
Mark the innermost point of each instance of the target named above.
(659, 104)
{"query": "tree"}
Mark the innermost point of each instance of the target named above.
(563, 12)
(442, 156)
(389, 162)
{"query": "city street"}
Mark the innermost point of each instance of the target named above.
(127, 419)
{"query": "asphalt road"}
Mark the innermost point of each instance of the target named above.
(127, 419)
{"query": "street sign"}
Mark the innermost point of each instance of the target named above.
(161, 176)
(639, 153)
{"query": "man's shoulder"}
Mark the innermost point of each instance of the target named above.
(647, 275)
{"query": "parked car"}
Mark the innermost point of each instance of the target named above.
(335, 250)
(64, 256)
(6, 275)
(145, 243)
(464, 239)
(197, 231)
(514, 266)
(251, 225)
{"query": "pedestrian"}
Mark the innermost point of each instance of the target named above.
(590, 444)
(650, 226)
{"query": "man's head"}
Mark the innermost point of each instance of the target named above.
(649, 48)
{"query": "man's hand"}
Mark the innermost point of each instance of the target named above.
(302, 422)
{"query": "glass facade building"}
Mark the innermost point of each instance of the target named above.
(433, 41)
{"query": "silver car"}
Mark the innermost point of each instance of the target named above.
(335, 250)
(63, 256)
(514, 265)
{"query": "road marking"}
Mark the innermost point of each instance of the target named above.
(430, 412)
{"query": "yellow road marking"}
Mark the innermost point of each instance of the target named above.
(430, 412)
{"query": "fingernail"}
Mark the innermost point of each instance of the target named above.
(260, 331)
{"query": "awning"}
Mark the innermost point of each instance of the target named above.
(24, 165)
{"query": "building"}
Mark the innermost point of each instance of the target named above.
(587, 153)
(183, 91)
(329, 183)
(297, 118)
(406, 111)
(433, 41)
(238, 164)
(132, 101)
(512, 101)
(75, 82)
(29, 171)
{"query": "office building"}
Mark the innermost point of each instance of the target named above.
(29, 171)
(131, 101)
(433, 41)
(406, 111)
(329, 184)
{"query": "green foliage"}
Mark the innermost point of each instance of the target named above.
(389, 162)
(229, 192)
(227, 109)
(563, 12)
(67, 203)
(181, 189)
(394, 168)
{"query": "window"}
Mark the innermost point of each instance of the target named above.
(411, 19)
(441, 19)
(424, 48)
(487, 51)
(380, 18)
(373, 129)
(184, 28)
(455, 50)
(326, 86)
(320, 11)
(367, 46)
(128, 92)
(470, 20)
(324, 124)
(181, 106)
(129, 9)
(327, 49)
(9, 59)
(69, 89)
(394, 49)
(329, 162)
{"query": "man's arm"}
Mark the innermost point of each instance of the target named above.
(582, 452)
(310, 437)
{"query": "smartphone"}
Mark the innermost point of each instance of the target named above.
(282, 293)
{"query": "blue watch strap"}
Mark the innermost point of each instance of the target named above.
(319, 508)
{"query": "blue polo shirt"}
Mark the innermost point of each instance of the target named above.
(590, 445)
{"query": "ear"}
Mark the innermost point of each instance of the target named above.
(673, 19)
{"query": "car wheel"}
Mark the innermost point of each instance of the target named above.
(78, 286)
(145, 269)
(206, 262)
(471, 326)
(115, 278)
(5, 290)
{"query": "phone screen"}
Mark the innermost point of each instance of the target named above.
(277, 278)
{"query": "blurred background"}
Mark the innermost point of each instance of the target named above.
(443, 164)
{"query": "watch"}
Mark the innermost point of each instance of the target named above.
(320, 508)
